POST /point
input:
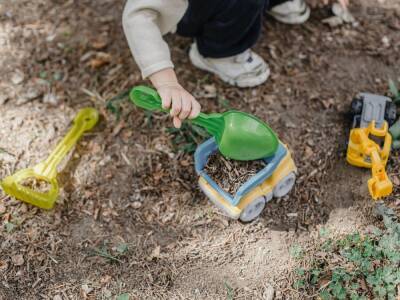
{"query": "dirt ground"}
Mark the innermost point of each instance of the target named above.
(130, 218)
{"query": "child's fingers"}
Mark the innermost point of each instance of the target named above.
(177, 122)
(186, 108)
(165, 98)
(176, 104)
(196, 108)
(344, 3)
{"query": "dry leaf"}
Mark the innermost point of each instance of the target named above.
(105, 279)
(100, 60)
(396, 181)
(3, 265)
(2, 209)
(99, 43)
(17, 260)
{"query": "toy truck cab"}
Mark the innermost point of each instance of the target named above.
(276, 179)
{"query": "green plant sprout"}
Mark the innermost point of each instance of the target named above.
(356, 266)
(395, 92)
(114, 104)
(187, 137)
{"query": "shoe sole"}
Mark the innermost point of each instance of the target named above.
(295, 21)
(198, 63)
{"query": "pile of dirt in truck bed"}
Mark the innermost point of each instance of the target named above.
(230, 174)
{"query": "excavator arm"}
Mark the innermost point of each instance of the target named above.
(379, 185)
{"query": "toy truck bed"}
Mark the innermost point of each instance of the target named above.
(231, 204)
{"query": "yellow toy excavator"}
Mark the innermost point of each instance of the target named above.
(370, 141)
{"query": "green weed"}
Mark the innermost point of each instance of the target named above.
(296, 251)
(123, 297)
(114, 104)
(187, 137)
(356, 266)
(229, 292)
(105, 252)
(395, 91)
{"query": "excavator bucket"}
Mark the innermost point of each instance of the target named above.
(380, 187)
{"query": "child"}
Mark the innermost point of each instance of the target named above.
(223, 33)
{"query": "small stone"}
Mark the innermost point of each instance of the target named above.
(136, 204)
(18, 260)
(3, 98)
(2, 209)
(57, 297)
(268, 292)
(51, 99)
(292, 215)
(155, 253)
(210, 91)
(86, 289)
(386, 42)
(51, 37)
(289, 124)
(17, 78)
(334, 21)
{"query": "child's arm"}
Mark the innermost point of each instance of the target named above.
(144, 22)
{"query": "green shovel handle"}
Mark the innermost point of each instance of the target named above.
(146, 98)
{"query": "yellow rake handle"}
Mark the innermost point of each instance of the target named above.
(84, 121)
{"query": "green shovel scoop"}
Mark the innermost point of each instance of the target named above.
(239, 135)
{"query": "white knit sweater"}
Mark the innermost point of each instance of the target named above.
(145, 22)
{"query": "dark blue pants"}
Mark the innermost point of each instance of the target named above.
(224, 28)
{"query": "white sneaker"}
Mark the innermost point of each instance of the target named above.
(291, 12)
(243, 70)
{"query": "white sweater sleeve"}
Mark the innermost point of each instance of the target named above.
(144, 22)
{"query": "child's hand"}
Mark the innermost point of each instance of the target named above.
(182, 104)
(344, 3)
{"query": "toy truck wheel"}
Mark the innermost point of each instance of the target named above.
(285, 185)
(357, 106)
(390, 113)
(253, 210)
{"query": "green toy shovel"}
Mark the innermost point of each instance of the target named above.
(239, 135)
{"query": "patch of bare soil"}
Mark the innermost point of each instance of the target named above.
(130, 217)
